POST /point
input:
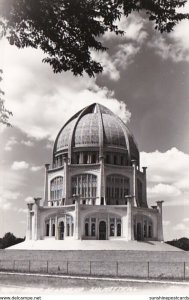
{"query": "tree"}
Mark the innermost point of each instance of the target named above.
(67, 30)
(9, 240)
(182, 243)
(4, 113)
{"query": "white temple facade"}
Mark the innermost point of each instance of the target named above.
(94, 188)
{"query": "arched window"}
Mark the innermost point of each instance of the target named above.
(86, 229)
(68, 229)
(93, 160)
(47, 229)
(118, 229)
(145, 229)
(93, 229)
(117, 187)
(84, 185)
(85, 159)
(112, 226)
(150, 230)
(56, 188)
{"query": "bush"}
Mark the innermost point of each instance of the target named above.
(9, 240)
(182, 243)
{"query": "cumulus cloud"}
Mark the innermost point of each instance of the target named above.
(134, 28)
(163, 190)
(19, 165)
(125, 47)
(174, 46)
(10, 143)
(47, 104)
(27, 143)
(36, 168)
(168, 176)
(6, 198)
(166, 222)
(13, 141)
(180, 227)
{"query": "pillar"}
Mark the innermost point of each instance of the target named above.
(102, 180)
(65, 187)
(145, 187)
(36, 219)
(56, 228)
(160, 221)
(130, 235)
(29, 221)
(46, 196)
(77, 229)
(50, 227)
(134, 165)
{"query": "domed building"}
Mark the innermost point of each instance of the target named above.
(94, 189)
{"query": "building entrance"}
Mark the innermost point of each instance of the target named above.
(139, 232)
(61, 230)
(102, 230)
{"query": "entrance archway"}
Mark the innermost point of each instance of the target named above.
(61, 230)
(102, 230)
(139, 232)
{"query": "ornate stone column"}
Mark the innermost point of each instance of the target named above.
(134, 165)
(29, 221)
(102, 181)
(65, 187)
(46, 196)
(160, 220)
(145, 187)
(56, 228)
(130, 234)
(36, 219)
(77, 229)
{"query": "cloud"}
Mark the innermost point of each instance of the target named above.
(41, 107)
(134, 28)
(163, 190)
(125, 47)
(10, 143)
(36, 168)
(175, 45)
(19, 165)
(166, 222)
(13, 141)
(27, 143)
(22, 210)
(180, 226)
(186, 220)
(167, 176)
(6, 198)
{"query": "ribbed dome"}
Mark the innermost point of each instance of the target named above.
(96, 126)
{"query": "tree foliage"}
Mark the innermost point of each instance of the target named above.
(67, 30)
(9, 240)
(4, 113)
(182, 243)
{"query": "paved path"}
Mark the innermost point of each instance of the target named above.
(27, 284)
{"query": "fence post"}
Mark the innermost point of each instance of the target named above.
(47, 267)
(117, 266)
(67, 267)
(184, 270)
(148, 269)
(90, 267)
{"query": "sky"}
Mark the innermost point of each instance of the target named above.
(145, 82)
